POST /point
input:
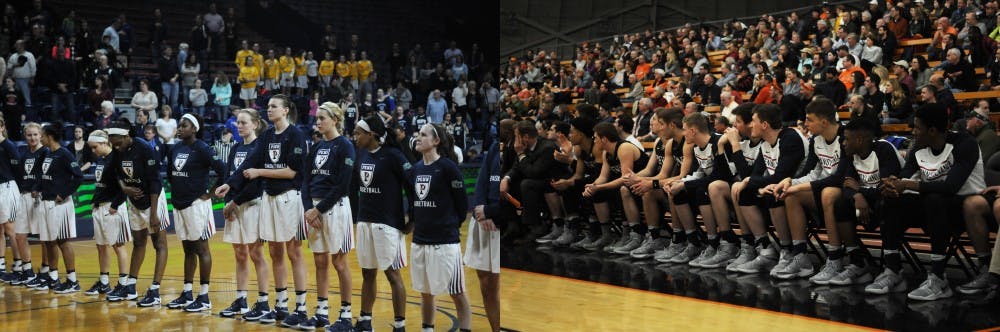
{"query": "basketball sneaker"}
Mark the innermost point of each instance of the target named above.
(649, 247)
(25, 277)
(98, 288)
(554, 234)
(851, 275)
(341, 325)
(67, 287)
(201, 303)
(260, 309)
(632, 240)
(364, 326)
(690, 252)
(297, 317)
(705, 254)
(238, 307)
(747, 253)
(673, 250)
(886, 282)
(317, 321)
(797, 267)
(831, 269)
(723, 255)
(763, 262)
(933, 288)
(152, 298)
(181, 301)
(982, 283)
(568, 236)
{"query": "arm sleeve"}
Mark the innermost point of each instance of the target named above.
(216, 164)
(306, 182)
(297, 157)
(966, 155)
(742, 168)
(342, 184)
(808, 173)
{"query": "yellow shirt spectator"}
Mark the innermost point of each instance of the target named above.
(300, 66)
(271, 69)
(287, 64)
(241, 57)
(248, 77)
(364, 69)
(258, 59)
(354, 69)
(326, 68)
(343, 69)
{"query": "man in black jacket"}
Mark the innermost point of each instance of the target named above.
(62, 75)
(532, 174)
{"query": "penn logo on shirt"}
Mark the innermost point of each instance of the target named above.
(423, 184)
(29, 164)
(180, 160)
(367, 172)
(238, 160)
(274, 151)
(321, 156)
(98, 171)
(45, 165)
(127, 168)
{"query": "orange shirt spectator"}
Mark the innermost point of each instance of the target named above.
(847, 76)
(641, 70)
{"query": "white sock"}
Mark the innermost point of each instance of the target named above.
(71, 276)
(262, 298)
(345, 311)
(17, 266)
(300, 301)
(188, 286)
(54, 274)
(154, 286)
(204, 289)
(44, 269)
(323, 307)
(104, 279)
(364, 318)
(281, 300)
(26, 266)
(398, 323)
(241, 294)
(123, 280)
(131, 281)
(427, 329)
(3, 264)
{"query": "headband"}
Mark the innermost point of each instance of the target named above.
(364, 125)
(193, 120)
(96, 139)
(117, 131)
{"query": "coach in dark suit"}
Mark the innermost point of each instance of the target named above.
(534, 169)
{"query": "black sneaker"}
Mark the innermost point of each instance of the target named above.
(260, 309)
(98, 288)
(68, 287)
(116, 294)
(200, 304)
(238, 307)
(296, 318)
(342, 325)
(7, 277)
(181, 301)
(24, 277)
(315, 322)
(47, 284)
(363, 326)
(37, 281)
(280, 314)
(152, 298)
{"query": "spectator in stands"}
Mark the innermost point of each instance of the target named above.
(871, 52)
(971, 21)
(21, 66)
(980, 125)
(144, 100)
(111, 32)
(247, 78)
(847, 75)
(62, 80)
(980, 48)
(157, 32)
(84, 155)
(215, 25)
(95, 96)
(12, 108)
(169, 77)
(897, 23)
(189, 74)
(222, 92)
(960, 73)
(690, 107)
(900, 68)
(919, 25)
(898, 105)
(874, 97)
(860, 110)
(166, 125)
(107, 115)
(793, 84)
(436, 107)
(728, 105)
(920, 71)
(709, 91)
(198, 98)
(103, 69)
(126, 39)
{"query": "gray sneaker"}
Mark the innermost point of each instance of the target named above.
(649, 247)
(673, 250)
(606, 239)
(982, 283)
(829, 270)
(634, 240)
(852, 275)
(784, 258)
(798, 266)
(551, 236)
(690, 252)
(620, 239)
(705, 254)
(726, 253)
(886, 282)
(568, 236)
(764, 261)
(584, 242)
(933, 288)
(747, 253)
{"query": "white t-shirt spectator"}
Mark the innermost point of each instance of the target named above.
(110, 31)
(458, 95)
(166, 129)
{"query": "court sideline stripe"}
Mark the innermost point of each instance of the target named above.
(730, 305)
(992, 329)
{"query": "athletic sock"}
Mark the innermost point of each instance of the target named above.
(104, 278)
(322, 306)
(345, 310)
(654, 232)
(300, 300)
(54, 274)
(26, 266)
(693, 237)
(131, 280)
(262, 297)
(763, 241)
(3, 263)
(399, 322)
(558, 221)
(17, 265)
(679, 237)
(204, 289)
(71, 275)
(640, 228)
(748, 239)
(836, 252)
(154, 286)
(938, 264)
(241, 294)
(281, 299)
(365, 316)
(188, 286)
(729, 237)
(798, 247)
(713, 240)
(857, 256)
(122, 279)
(892, 260)
(44, 269)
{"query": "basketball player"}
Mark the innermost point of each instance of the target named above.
(482, 247)
(31, 216)
(139, 178)
(242, 213)
(438, 212)
(188, 163)
(619, 158)
(278, 162)
(663, 124)
(111, 223)
(10, 204)
(327, 182)
(60, 177)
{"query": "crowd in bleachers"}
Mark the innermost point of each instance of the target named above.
(58, 67)
(891, 69)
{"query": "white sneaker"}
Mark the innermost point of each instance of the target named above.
(690, 252)
(933, 288)
(747, 253)
(797, 267)
(852, 275)
(765, 261)
(649, 248)
(706, 254)
(784, 258)
(886, 282)
(725, 254)
(829, 270)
